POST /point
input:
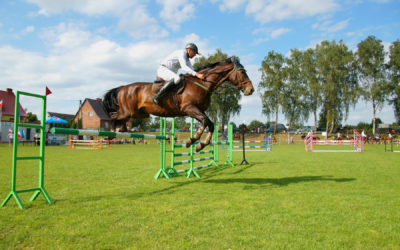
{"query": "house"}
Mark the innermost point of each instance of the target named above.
(93, 115)
(7, 106)
(7, 109)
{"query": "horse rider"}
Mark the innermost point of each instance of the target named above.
(168, 69)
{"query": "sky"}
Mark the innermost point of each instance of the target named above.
(82, 48)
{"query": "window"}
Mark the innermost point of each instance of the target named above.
(90, 114)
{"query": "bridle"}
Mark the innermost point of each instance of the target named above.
(237, 67)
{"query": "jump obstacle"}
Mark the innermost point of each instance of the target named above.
(357, 143)
(263, 145)
(390, 149)
(15, 157)
(212, 155)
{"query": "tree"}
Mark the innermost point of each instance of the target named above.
(294, 106)
(255, 124)
(313, 94)
(371, 71)
(32, 118)
(273, 76)
(394, 73)
(337, 76)
(144, 123)
(180, 122)
(225, 100)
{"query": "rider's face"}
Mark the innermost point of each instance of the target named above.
(190, 53)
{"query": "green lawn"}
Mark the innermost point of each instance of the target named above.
(285, 199)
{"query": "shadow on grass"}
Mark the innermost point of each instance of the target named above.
(245, 167)
(279, 181)
(183, 182)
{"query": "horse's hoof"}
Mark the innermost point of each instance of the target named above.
(199, 147)
(188, 143)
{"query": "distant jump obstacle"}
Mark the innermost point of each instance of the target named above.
(390, 148)
(357, 143)
(263, 145)
(93, 144)
(212, 155)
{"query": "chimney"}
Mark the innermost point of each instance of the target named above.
(9, 90)
(98, 99)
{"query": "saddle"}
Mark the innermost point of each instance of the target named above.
(178, 88)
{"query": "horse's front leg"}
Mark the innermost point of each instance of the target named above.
(204, 143)
(205, 122)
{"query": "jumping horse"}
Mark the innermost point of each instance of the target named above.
(134, 100)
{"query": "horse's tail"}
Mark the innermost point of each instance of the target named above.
(110, 100)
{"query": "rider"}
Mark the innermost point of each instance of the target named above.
(168, 68)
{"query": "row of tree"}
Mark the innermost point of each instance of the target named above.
(328, 80)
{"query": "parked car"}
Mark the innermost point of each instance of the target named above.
(279, 128)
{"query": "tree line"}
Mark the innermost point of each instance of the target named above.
(328, 80)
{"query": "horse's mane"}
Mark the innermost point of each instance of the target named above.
(208, 65)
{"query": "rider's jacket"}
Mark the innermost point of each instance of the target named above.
(178, 60)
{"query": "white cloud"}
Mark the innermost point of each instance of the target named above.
(268, 33)
(88, 7)
(230, 4)
(267, 11)
(133, 16)
(139, 24)
(287, 9)
(330, 27)
(28, 29)
(175, 12)
(278, 32)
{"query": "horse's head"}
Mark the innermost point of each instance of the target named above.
(239, 78)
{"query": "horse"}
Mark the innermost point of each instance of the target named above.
(134, 100)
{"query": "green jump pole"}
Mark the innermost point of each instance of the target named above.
(171, 170)
(191, 170)
(163, 133)
(40, 189)
(230, 145)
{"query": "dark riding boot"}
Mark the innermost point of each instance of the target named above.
(156, 99)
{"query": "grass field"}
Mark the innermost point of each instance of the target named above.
(284, 199)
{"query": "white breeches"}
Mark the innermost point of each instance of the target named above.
(167, 74)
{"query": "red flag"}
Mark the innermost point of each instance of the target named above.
(48, 92)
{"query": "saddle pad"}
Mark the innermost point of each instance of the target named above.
(157, 85)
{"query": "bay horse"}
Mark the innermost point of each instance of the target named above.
(134, 100)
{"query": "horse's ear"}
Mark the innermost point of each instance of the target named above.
(235, 59)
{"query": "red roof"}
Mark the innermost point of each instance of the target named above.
(8, 98)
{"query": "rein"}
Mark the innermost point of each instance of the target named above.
(201, 86)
